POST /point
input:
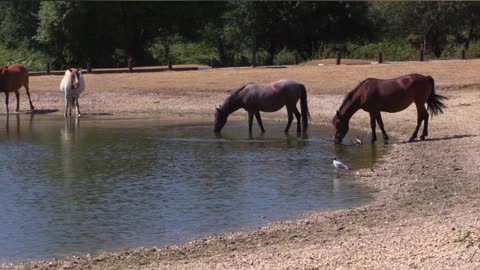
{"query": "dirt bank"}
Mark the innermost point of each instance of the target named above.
(426, 208)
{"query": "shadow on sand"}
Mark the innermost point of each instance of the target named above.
(46, 111)
(443, 138)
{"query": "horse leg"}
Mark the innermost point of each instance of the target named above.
(17, 95)
(67, 103)
(414, 135)
(28, 94)
(425, 125)
(259, 121)
(420, 117)
(373, 125)
(290, 119)
(72, 104)
(250, 122)
(6, 99)
(297, 115)
(77, 105)
(380, 124)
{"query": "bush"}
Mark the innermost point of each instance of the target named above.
(33, 60)
(392, 51)
(185, 53)
(455, 52)
(474, 50)
(284, 57)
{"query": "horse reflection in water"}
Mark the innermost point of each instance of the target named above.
(270, 97)
(71, 130)
(70, 135)
(16, 125)
(7, 126)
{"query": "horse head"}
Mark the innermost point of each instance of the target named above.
(341, 127)
(220, 120)
(75, 77)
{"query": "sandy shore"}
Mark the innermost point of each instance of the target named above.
(426, 209)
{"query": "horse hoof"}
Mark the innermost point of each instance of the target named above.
(422, 138)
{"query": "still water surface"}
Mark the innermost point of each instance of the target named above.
(76, 187)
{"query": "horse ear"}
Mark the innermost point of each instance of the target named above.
(218, 109)
(339, 116)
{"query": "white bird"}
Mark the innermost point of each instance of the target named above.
(359, 140)
(340, 165)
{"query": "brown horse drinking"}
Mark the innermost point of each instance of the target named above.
(269, 97)
(391, 95)
(11, 79)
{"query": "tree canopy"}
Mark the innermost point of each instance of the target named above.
(231, 33)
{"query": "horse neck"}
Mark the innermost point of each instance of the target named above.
(232, 104)
(350, 107)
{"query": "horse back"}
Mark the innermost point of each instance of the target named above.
(393, 95)
(270, 97)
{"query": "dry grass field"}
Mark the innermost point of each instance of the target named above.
(426, 209)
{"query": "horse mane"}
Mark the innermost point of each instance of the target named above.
(350, 94)
(229, 101)
(3, 69)
(68, 78)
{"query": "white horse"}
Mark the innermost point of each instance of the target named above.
(72, 86)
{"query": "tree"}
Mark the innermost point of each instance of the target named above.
(317, 24)
(427, 23)
(467, 23)
(18, 22)
(182, 21)
(258, 25)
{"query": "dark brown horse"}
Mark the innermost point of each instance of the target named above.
(391, 95)
(269, 97)
(11, 79)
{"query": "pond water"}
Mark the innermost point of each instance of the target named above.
(76, 187)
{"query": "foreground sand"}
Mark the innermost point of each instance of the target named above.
(426, 209)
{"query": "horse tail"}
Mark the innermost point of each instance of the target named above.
(434, 101)
(304, 107)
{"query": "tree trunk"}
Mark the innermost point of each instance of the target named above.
(469, 37)
(271, 53)
(168, 57)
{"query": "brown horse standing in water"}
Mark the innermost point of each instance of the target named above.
(11, 79)
(391, 95)
(269, 97)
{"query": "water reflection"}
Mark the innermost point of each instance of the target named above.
(71, 188)
(354, 155)
(71, 129)
(13, 128)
